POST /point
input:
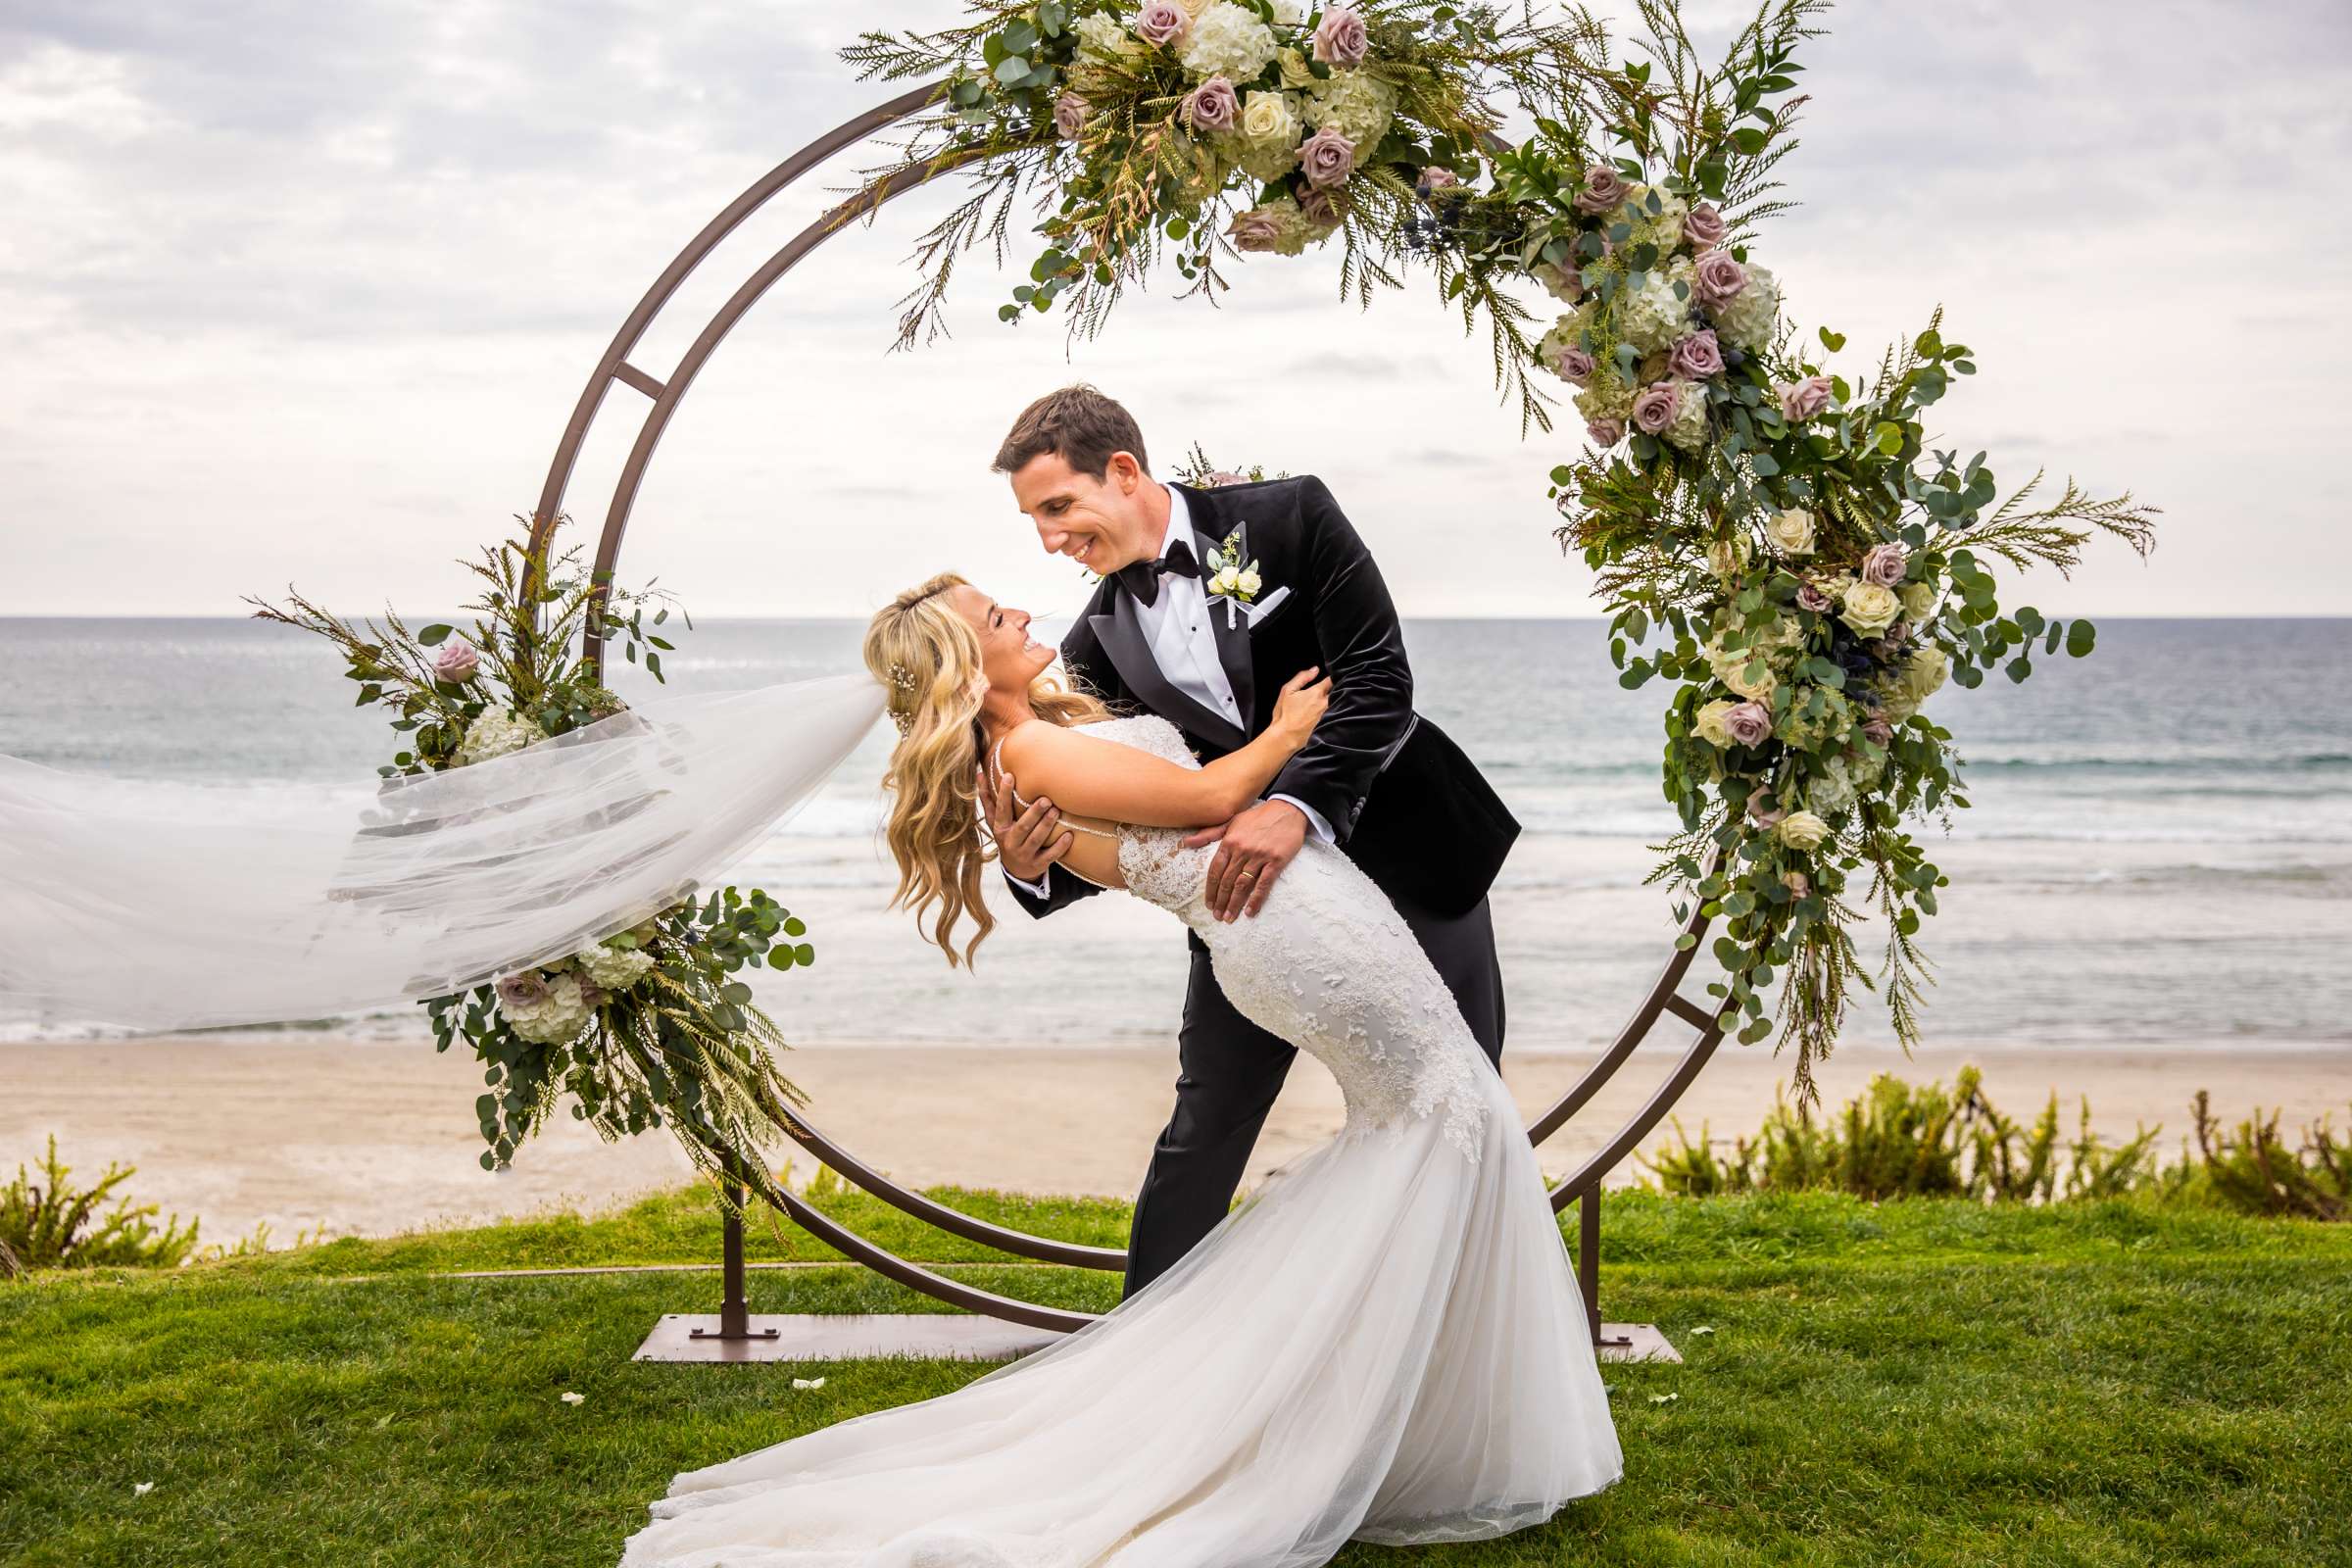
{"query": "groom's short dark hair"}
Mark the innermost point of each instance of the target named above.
(1079, 425)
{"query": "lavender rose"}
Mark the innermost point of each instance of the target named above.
(1703, 227)
(1605, 190)
(457, 661)
(525, 989)
(1606, 434)
(1323, 208)
(1223, 476)
(1801, 400)
(1436, 178)
(1697, 356)
(1654, 410)
(1895, 636)
(1759, 804)
(1163, 22)
(1878, 730)
(1339, 38)
(1884, 565)
(1716, 278)
(1800, 886)
(1574, 364)
(1811, 598)
(1327, 158)
(1258, 229)
(1750, 723)
(1070, 116)
(1213, 105)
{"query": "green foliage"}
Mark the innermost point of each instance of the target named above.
(1899, 1140)
(2254, 1171)
(47, 1222)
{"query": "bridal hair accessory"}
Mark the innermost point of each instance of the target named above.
(902, 681)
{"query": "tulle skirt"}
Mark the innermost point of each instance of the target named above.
(1384, 1343)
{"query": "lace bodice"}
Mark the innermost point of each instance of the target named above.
(1327, 964)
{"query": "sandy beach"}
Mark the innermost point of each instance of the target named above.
(375, 1138)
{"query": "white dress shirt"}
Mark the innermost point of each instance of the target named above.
(1184, 645)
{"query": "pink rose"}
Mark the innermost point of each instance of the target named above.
(1811, 598)
(457, 661)
(1717, 277)
(1163, 22)
(1070, 116)
(1884, 565)
(593, 995)
(1760, 808)
(1654, 410)
(1878, 730)
(1605, 190)
(1223, 476)
(1574, 364)
(1257, 229)
(1327, 158)
(1750, 723)
(1897, 635)
(1436, 178)
(1604, 433)
(1339, 38)
(1697, 356)
(1213, 105)
(1323, 208)
(1703, 227)
(1800, 886)
(1801, 400)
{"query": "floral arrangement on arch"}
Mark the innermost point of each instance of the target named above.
(649, 1027)
(1778, 537)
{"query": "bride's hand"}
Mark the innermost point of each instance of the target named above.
(1299, 707)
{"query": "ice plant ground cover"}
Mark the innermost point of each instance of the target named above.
(653, 1026)
(2102, 1382)
(1781, 539)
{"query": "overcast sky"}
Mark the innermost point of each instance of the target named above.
(306, 292)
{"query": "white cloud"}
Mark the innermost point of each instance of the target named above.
(307, 292)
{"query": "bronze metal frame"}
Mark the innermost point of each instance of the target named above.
(1582, 1188)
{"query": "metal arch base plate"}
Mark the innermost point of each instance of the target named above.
(947, 1336)
(666, 393)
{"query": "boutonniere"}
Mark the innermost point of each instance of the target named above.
(1231, 577)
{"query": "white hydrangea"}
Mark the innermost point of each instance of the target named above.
(614, 968)
(1102, 34)
(1747, 319)
(498, 731)
(1831, 789)
(1228, 40)
(1357, 104)
(1604, 396)
(1557, 283)
(1664, 227)
(1690, 426)
(1653, 318)
(1568, 332)
(555, 1019)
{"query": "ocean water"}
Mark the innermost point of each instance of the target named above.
(2158, 850)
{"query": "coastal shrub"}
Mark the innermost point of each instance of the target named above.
(2254, 1171)
(1901, 1139)
(49, 1223)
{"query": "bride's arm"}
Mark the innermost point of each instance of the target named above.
(1091, 777)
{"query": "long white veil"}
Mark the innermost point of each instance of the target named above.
(157, 905)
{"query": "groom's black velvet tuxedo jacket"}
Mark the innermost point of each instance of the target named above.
(1402, 799)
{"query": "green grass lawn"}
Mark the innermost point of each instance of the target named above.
(1925, 1382)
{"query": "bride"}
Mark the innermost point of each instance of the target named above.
(1384, 1343)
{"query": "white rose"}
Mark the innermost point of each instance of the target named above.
(1224, 581)
(1295, 71)
(1870, 609)
(1271, 116)
(1291, 13)
(1918, 598)
(1248, 582)
(1802, 830)
(1725, 556)
(1791, 531)
(1731, 665)
(1707, 724)
(1924, 672)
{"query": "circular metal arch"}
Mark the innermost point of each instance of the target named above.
(665, 394)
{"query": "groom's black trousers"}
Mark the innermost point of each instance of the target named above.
(1229, 1071)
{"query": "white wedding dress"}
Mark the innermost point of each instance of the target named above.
(1385, 1343)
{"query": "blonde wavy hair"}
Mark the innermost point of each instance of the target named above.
(928, 658)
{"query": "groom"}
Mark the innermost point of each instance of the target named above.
(1380, 782)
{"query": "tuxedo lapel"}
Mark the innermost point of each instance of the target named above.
(1231, 625)
(1122, 638)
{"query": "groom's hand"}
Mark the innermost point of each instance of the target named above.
(1251, 851)
(1029, 843)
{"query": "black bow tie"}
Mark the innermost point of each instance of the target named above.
(1142, 577)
